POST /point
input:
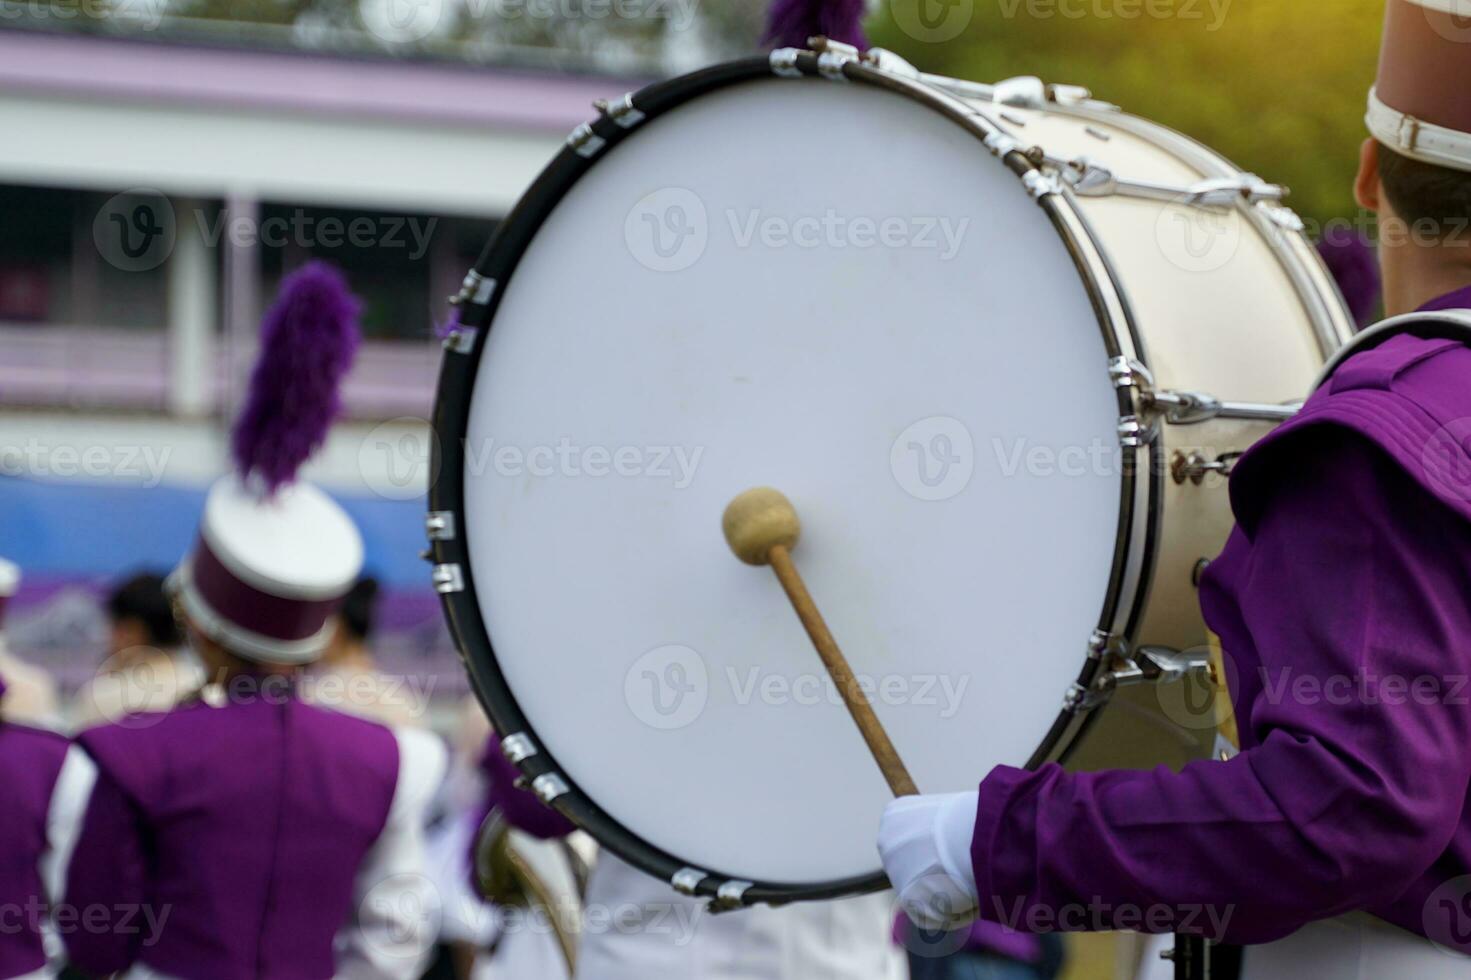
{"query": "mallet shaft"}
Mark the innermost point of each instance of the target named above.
(868, 723)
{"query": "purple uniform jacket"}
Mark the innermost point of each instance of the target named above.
(1343, 605)
(30, 761)
(244, 825)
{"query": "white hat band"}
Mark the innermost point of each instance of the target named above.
(1416, 138)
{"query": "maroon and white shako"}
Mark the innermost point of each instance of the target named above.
(276, 554)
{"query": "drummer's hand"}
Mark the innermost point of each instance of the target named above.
(924, 842)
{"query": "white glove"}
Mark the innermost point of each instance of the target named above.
(924, 842)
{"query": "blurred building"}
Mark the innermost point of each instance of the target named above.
(153, 192)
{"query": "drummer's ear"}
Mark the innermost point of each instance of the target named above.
(1367, 189)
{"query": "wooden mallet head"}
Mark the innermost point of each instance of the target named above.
(757, 521)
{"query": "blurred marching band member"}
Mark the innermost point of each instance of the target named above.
(148, 667)
(660, 933)
(31, 695)
(37, 828)
(347, 677)
(1339, 839)
(258, 835)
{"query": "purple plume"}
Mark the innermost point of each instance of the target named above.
(791, 22)
(308, 340)
(1356, 270)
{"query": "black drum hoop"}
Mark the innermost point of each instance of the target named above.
(1140, 506)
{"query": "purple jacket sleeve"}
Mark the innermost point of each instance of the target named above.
(523, 809)
(106, 877)
(1351, 576)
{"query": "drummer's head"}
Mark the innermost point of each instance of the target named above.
(1415, 171)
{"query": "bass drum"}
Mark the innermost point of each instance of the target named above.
(995, 344)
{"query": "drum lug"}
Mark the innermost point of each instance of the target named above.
(586, 142)
(448, 579)
(1135, 432)
(1023, 92)
(783, 62)
(686, 880)
(475, 288)
(518, 747)
(548, 786)
(887, 61)
(731, 895)
(832, 56)
(621, 111)
(1102, 645)
(1001, 143)
(1040, 184)
(1284, 217)
(1126, 372)
(439, 525)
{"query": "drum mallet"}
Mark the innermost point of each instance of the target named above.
(761, 527)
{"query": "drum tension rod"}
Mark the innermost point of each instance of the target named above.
(1147, 665)
(1089, 178)
(1190, 407)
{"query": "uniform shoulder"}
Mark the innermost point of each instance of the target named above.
(40, 741)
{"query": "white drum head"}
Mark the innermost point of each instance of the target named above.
(849, 299)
